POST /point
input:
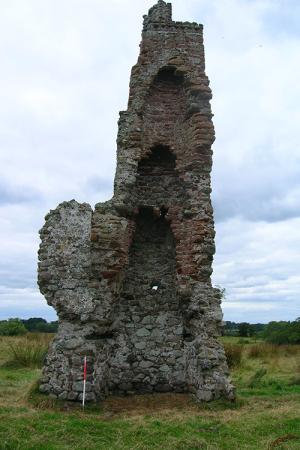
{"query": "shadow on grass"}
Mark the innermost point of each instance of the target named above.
(114, 406)
(42, 401)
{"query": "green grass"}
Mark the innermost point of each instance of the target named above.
(266, 414)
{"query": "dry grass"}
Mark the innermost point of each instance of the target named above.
(27, 351)
(262, 350)
(265, 350)
(149, 404)
(234, 353)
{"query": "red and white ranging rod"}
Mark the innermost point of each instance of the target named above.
(84, 381)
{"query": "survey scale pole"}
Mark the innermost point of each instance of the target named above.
(84, 382)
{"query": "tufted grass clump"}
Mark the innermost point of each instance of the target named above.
(234, 353)
(256, 379)
(28, 351)
(262, 350)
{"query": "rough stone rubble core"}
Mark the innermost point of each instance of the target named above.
(130, 281)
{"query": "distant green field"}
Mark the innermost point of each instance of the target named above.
(266, 414)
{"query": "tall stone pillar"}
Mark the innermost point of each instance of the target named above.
(130, 281)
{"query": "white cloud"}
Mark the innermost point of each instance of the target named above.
(24, 303)
(258, 264)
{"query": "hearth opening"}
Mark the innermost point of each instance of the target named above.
(161, 161)
(152, 266)
(169, 74)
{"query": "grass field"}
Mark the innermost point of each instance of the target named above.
(266, 414)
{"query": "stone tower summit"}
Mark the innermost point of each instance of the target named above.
(130, 280)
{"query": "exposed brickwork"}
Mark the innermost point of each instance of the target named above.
(131, 280)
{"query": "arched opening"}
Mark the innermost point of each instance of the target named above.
(152, 261)
(157, 179)
(161, 161)
(149, 313)
(169, 75)
(165, 106)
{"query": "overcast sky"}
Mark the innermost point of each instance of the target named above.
(65, 67)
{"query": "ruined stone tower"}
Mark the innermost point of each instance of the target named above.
(130, 281)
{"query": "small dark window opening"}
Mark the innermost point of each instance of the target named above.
(160, 161)
(169, 75)
(109, 334)
(163, 212)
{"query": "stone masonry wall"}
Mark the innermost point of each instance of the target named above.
(130, 281)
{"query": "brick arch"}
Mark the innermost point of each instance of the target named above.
(157, 181)
(164, 109)
(160, 158)
(170, 74)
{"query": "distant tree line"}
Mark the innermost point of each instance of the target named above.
(17, 327)
(243, 329)
(274, 332)
(39, 325)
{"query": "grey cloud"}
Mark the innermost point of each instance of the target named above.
(98, 185)
(255, 209)
(18, 194)
(258, 265)
(256, 194)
